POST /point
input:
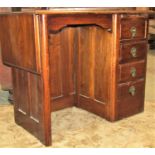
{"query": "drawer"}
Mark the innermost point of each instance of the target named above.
(133, 28)
(131, 71)
(130, 98)
(133, 51)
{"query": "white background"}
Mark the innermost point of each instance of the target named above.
(77, 3)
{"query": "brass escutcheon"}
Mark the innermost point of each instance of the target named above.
(133, 52)
(133, 31)
(132, 90)
(133, 71)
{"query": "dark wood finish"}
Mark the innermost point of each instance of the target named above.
(126, 47)
(93, 64)
(111, 108)
(79, 57)
(63, 102)
(92, 106)
(58, 22)
(31, 90)
(5, 72)
(128, 23)
(127, 104)
(130, 91)
(45, 68)
(90, 11)
(18, 42)
(5, 76)
(62, 62)
(28, 108)
(126, 69)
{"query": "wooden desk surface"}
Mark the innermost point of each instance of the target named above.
(82, 11)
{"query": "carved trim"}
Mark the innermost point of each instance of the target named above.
(58, 22)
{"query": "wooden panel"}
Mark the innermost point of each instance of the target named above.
(92, 106)
(28, 85)
(20, 86)
(56, 67)
(34, 89)
(127, 104)
(5, 72)
(18, 41)
(93, 49)
(102, 52)
(32, 93)
(126, 69)
(62, 62)
(87, 61)
(125, 51)
(94, 69)
(91, 61)
(128, 23)
(67, 61)
(5, 76)
(28, 101)
(63, 102)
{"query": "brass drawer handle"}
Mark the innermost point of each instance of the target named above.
(133, 71)
(132, 90)
(133, 52)
(133, 31)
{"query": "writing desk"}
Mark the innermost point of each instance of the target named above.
(90, 58)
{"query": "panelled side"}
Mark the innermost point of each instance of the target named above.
(17, 41)
(27, 39)
(62, 63)
(94, 69)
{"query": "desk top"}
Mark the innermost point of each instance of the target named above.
(83, 11)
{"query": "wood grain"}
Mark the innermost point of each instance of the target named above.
(18, 42)
(57, 22)
(125, 51)
(32, 94)
(125, 71)
(127, 104)
(62, 64)
(28, 107)
(92, 68)
(138, 23)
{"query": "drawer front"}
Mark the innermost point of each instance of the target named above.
(131, 71)
(130, 98)
(133, 28)
(133, 51)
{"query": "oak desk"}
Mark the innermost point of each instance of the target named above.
(89, 58)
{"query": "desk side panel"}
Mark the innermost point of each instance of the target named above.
(94, 69)
(17, 38)
(28, 101)
(62, 62)
(31, 90)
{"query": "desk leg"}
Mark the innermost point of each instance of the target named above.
(32, 94)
